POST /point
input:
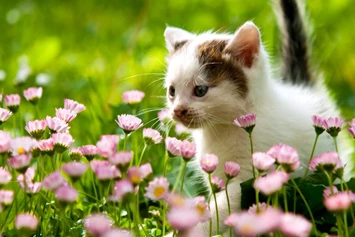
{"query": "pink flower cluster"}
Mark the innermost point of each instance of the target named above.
(268, 220)
(176, 147)
(101, 225)
(133, 96)
(331, 125)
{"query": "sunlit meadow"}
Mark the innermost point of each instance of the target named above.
(87, 149)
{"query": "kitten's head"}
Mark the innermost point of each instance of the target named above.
(208, 75)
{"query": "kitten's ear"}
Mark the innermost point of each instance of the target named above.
(176, 37)
(245, 44)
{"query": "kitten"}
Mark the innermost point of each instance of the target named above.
(214, 78)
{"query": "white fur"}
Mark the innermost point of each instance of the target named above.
(283, 114)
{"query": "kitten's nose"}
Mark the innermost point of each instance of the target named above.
(180, 112)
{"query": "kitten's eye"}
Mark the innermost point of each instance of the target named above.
(200, 91)
(171, 91)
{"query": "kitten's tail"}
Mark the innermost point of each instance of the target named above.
(295, 62)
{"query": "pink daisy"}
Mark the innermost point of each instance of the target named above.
(22, 145)
(318, 124)
(146, 170)
(157, 189)
(97, 224)
(46, 146)
(5, 142)
(328, 162)
(253, 224)
(183, 218)
(62, 141)
(107, 145)
(188, 150)
(231, 169)
(20, 162)
(26, 221)
(13, 102)
(286, 156)
(115, 232)
(209, 162)
(339, 202)
(327, 192)
(121, 189)
(217, 184)
(4, 115)
(254, 209)
(36, 128)
(75, 153)
(272, 182)
(151, 136)
(295, 225)
(333, 126)
(33, 94)
(134, 174)
(129, 123)
(246, 121)
(6, 197)
(73, 106)
(74, 168)
(121, 159)
(173, 146)
(104, 170)
(132, 97)
(65, 193)
(53, 181)
(5, 176)
(65, 114)
(89, 151)
(56, 125)
(262, 161)
(202, 208)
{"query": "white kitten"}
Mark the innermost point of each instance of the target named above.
(214, 78)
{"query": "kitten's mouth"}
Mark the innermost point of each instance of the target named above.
(188, 122)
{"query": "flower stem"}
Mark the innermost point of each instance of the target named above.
(179, 176)
(285, 199)
(125, 142)
(335, 144)
(166, 163)
(141, 157)
(346, 225)
(183, 177)
(339, 224)
(305, 202)
(208, 201)
(252, 151)
(229, 205)
(164, 220)
(257, 194)
(216, 206)
(310, 158)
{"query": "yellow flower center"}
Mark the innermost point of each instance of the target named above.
(20, 150)
(200, 209)
(246, 229)
(135, 179)
(159, 191)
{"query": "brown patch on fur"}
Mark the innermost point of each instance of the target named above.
(218, 67)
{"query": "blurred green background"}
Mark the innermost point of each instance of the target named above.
(93, 50)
